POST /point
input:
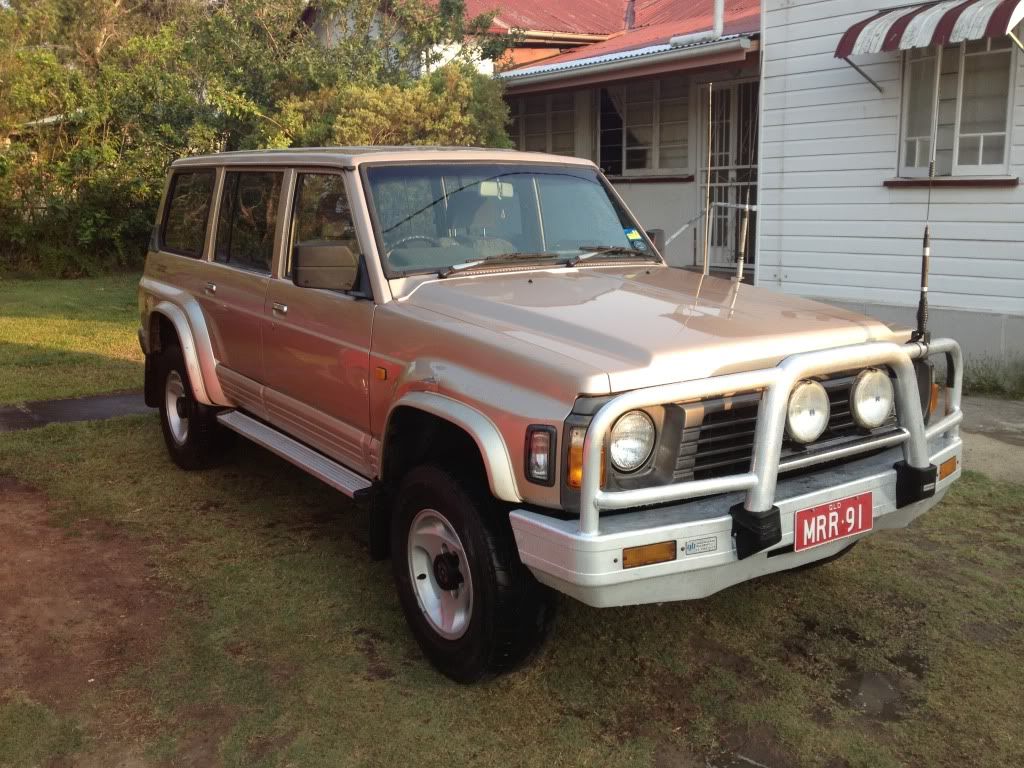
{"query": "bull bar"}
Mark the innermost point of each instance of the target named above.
(776, 384)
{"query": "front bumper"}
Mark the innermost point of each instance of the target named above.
(589, 567)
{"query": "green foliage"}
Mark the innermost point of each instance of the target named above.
(97, 97)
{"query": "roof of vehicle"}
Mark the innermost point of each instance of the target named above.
(352, 156)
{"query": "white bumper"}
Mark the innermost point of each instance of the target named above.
(589, 567)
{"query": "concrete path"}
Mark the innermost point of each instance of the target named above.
(38, 414)
(993, 432)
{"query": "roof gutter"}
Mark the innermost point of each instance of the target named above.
(575, 38)
(675, 54)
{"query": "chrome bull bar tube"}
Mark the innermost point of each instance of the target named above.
(776, 384)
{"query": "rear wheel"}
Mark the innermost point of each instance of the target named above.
(473, 607)
(191, 433)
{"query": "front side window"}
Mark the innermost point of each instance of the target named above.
(957, 97)
(644, 126)
(321, 214)
(188, 205)
(248, 219)
(433, 216)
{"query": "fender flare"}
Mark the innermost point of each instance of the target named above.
(196, 349)
(493, 450)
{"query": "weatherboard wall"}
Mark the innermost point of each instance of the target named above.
(828, 225)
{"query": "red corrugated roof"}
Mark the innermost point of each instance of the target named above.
(741, 17)
(599, 17)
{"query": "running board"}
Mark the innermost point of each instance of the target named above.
(315, 463)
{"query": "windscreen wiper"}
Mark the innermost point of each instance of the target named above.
(590, 251)
(495, 260)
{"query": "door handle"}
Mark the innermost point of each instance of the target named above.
(211, 288)
(281, 309)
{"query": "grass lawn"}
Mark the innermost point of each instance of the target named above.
(67, 338)
(239, 622)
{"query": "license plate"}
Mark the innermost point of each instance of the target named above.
(832, 521)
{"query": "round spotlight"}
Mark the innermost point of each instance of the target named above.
(871, 398)
(808, 412)
(632, 440)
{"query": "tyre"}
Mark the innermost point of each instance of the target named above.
(193, 437)
(473, 607)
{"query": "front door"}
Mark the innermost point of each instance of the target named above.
(316, 343)
(733, 165)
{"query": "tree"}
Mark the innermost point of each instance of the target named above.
(98, 96)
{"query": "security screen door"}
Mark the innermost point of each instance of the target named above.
(733, 172)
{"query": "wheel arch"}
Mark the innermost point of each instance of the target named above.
(195, 349)
(427, 412)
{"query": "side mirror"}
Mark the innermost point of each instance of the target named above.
(325, 264)
(658, 238)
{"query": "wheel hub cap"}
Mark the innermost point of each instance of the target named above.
(176, 407)
(440, 574)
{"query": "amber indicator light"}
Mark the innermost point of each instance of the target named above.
(933, 402)
(648, 554)
(947, 468)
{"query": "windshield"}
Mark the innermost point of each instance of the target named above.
(431, 217)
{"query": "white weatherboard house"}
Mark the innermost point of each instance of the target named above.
(855, 96)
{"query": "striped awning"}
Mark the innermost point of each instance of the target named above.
(929, 24)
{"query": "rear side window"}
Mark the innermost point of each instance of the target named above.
(248, 219)
(188, 205)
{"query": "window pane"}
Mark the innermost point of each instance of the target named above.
(610, 154)
(674, 110)
(322, 212)
(536, 124)
(639, 136)
(642, 90)
(672, 156)
(248, 216)
(993, 148)
(562, 143)
(921, 85)
(986, 93)
(969, 150)
(534, 105)
(673, 133)
(187, 208)
(536, 143)
(562, 121)
(637, 159)
(562, 101)
(640, 114)
(674, 88)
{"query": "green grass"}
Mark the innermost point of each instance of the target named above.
(284, 645)
(68, 338)
(995, 377)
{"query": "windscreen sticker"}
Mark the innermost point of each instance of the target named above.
(632, 234)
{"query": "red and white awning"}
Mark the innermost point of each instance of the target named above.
(929, 24)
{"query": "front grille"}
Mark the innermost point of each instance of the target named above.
(718, 438)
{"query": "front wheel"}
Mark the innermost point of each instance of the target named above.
(473, 607)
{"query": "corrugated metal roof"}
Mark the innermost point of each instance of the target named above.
(591, 61)
(573, 16)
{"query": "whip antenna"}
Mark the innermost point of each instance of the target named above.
(922, 333)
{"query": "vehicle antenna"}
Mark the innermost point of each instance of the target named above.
(922, 333)
(707, 188)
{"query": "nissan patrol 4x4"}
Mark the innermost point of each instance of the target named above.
(487, 349)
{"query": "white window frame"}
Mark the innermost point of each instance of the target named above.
(957, 170)
(520, 118)
(655, 147)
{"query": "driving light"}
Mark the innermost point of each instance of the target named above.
(808, 411)
(632, 441)
(871, 398)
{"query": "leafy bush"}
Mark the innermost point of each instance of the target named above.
(97, 100)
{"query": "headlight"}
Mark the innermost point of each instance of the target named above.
(632, 441)
(808, 411)
(871, 398)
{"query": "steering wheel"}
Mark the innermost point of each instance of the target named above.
(409, 238)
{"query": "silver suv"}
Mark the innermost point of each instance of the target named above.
(487, 349)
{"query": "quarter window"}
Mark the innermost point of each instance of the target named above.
(248, 219)
(322, 213)
(957, 97)
(644, 127)
(188, 206)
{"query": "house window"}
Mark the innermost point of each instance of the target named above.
(545, 123)
(644, 127)
(958, 97)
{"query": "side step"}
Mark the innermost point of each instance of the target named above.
(315, 463)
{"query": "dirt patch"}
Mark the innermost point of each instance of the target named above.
(78, 605)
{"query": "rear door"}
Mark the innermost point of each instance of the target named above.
(316, 343)
(233, 296)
